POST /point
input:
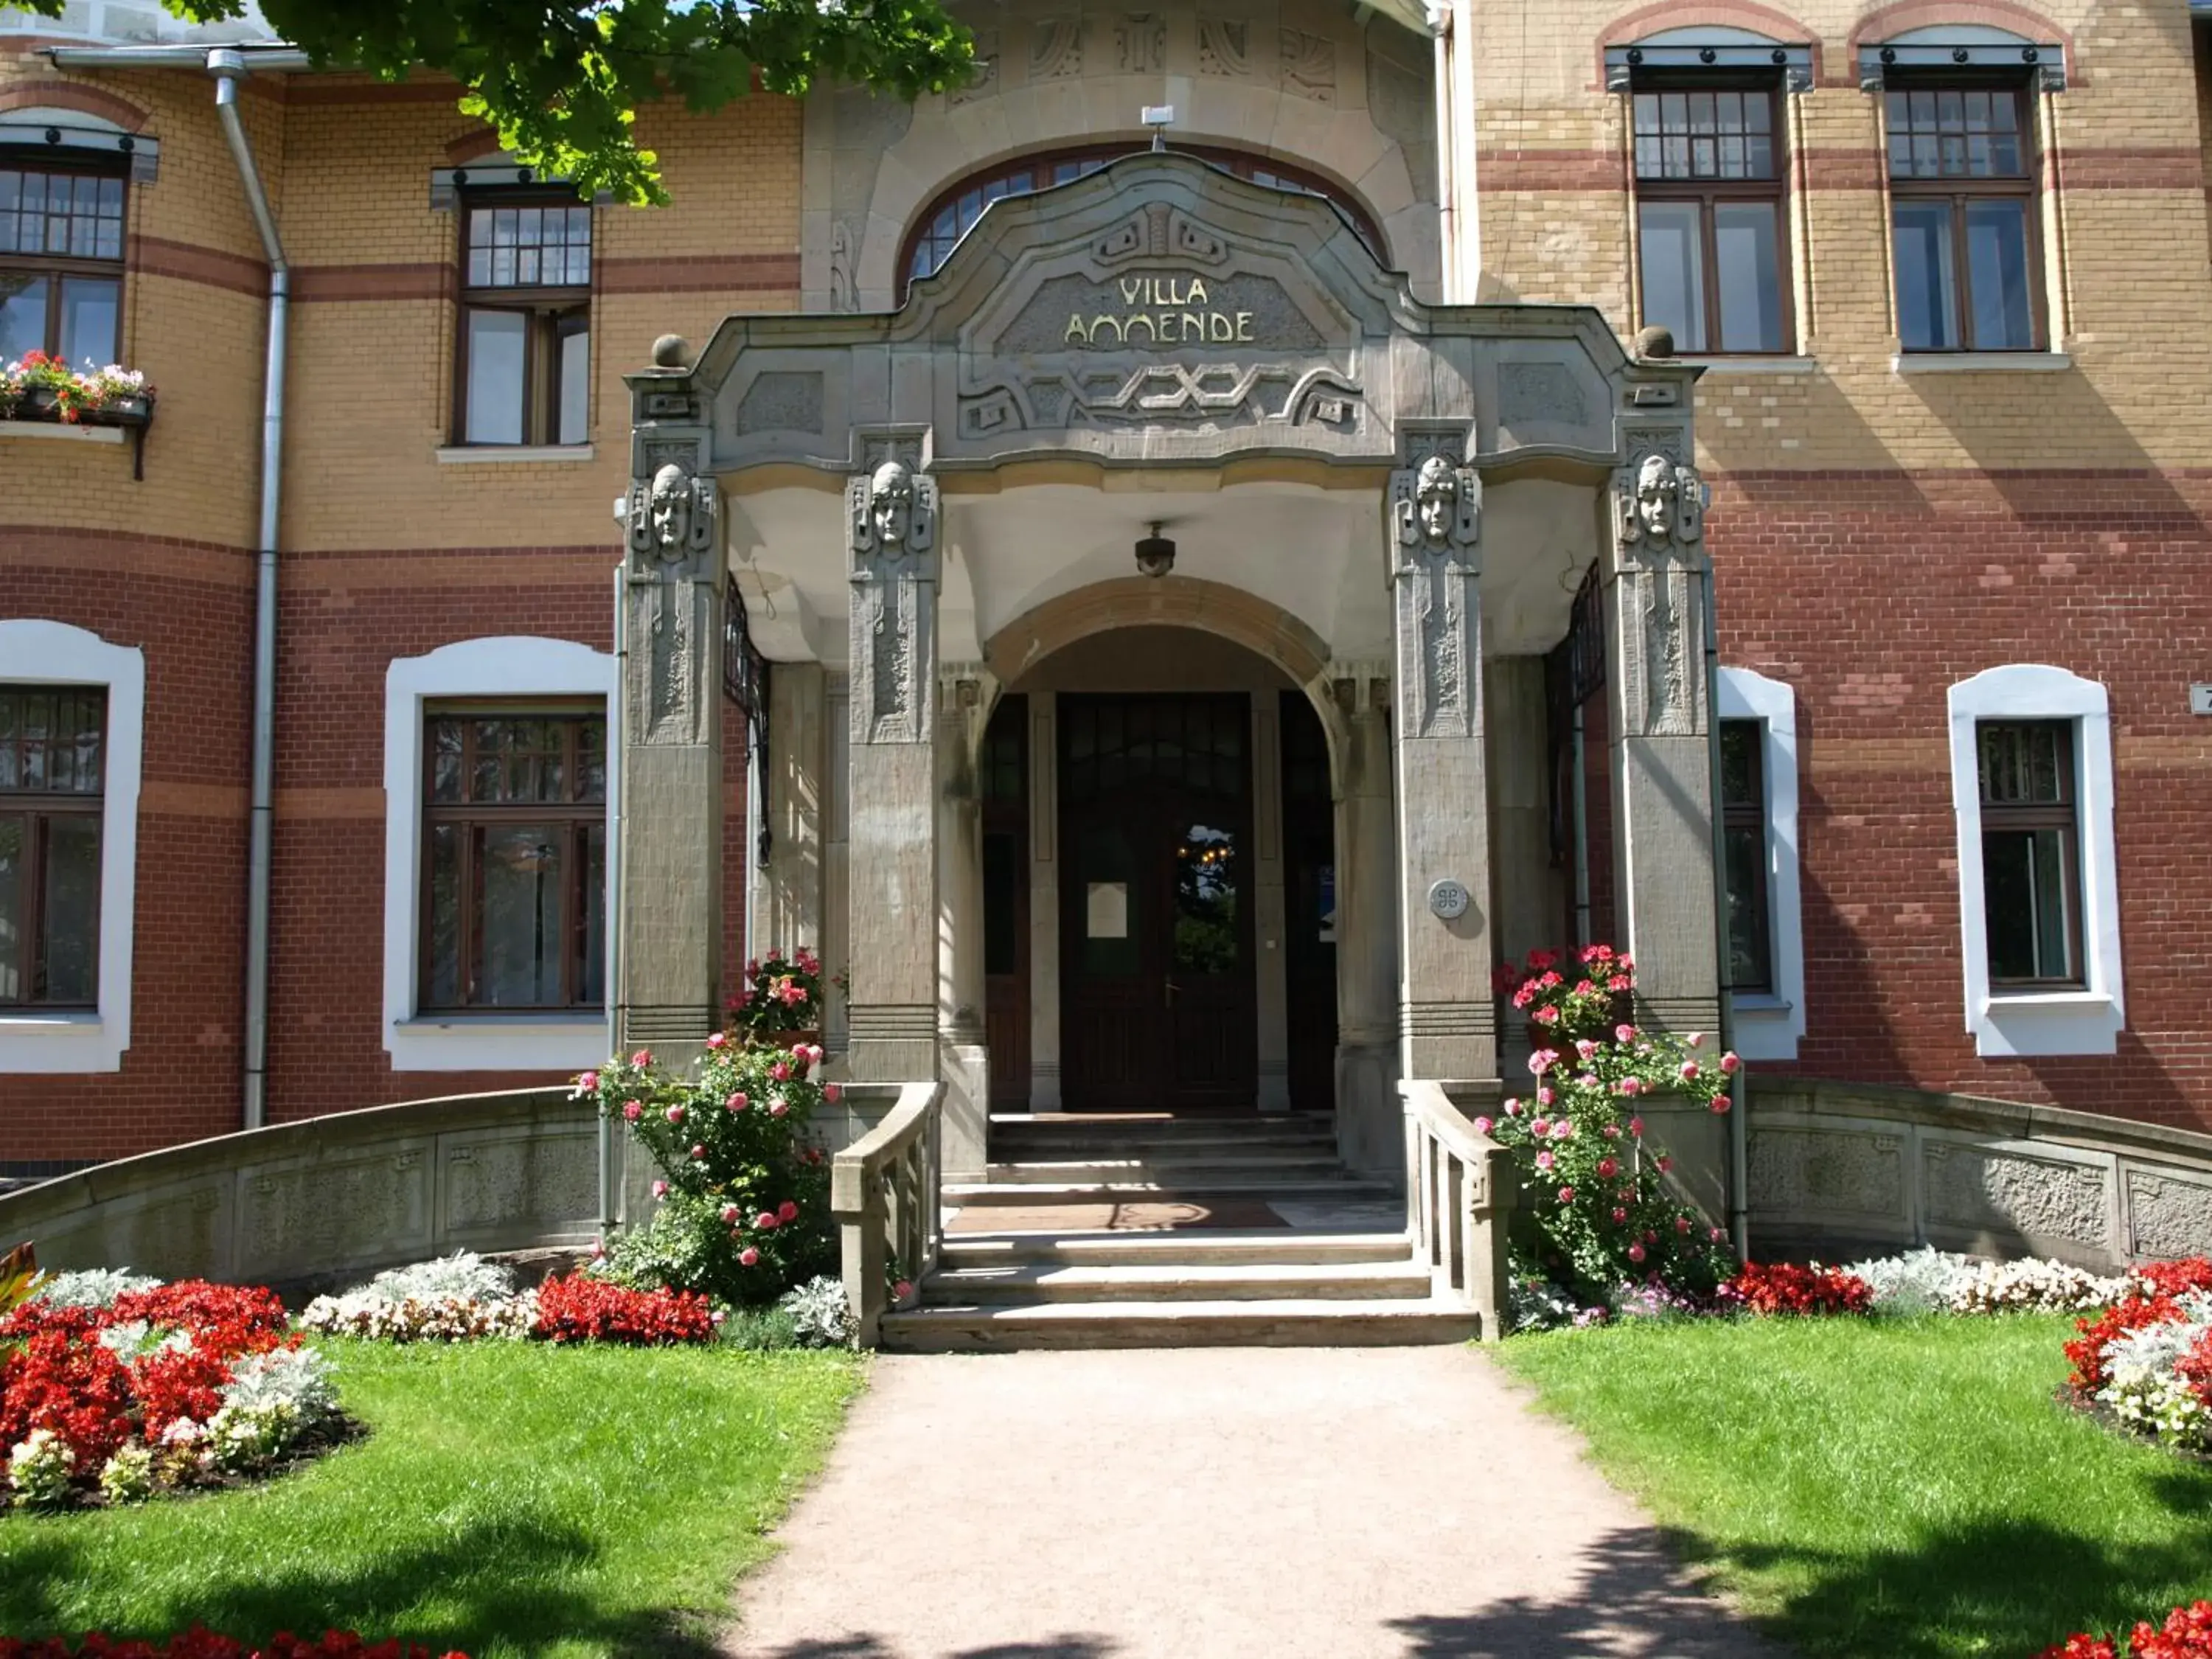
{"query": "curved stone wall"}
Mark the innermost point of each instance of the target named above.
(1845, 1169)
(329, 1199)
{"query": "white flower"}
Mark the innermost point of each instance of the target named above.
(128, 1476)
(38, 1468)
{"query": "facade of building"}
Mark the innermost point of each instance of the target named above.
(1368, 356)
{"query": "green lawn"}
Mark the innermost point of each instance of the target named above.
(511, 1498)
(1898, 1488)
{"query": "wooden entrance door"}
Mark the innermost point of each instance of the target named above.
(1158, 1006)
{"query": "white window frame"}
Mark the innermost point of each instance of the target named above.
(1768, 1024)
(36, 652)
(506, 666)
(2006, 1023)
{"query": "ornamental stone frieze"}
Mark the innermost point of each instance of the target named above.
(891, 516)
(1435, 524)
(1658, 509)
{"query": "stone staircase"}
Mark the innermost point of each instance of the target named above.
(1289, 1248)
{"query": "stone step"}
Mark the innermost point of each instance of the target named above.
(1170, 1171)
(1002, 1283)
(1339, 1188)
(1010, 1145)
(1298, 1324)
(1198, 1247)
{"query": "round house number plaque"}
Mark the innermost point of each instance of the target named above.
(1447, 900)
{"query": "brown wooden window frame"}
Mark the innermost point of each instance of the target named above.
(1961, 190)
(57, 268)
(1738, 814)
(38, 809)
(2063, 815)
(1712, 192)
(1046, 168)
(551, 313)
(572, 815)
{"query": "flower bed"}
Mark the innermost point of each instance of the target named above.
(2146, 1358)
(453, 1299)
(199, 1643)
(582, 1308)
(117, 1388)
(2186, 1634)
(40, 387)
(1785, 1288)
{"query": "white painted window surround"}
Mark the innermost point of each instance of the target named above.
(35, 652)
(2087, 1021)
(510, 666)
(1768, 1025)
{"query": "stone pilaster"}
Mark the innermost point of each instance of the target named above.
(669, 979)
(964, 699)
(1661, 763)
(1448, 1023)
(788, 897)
(1370, 1132)
(892, 915)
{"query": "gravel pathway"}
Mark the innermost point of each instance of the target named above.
(1215, 1504)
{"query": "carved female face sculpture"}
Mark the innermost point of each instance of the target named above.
(672, 509)
(1436, 496)
(891, 503)
(1655, 490)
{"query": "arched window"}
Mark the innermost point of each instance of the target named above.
(948, 218)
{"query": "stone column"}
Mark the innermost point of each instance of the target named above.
(1369, 1119)
(669, 872)
(963, 1056)
(1448, 1022)
(1271, 971)
(1044, 902)
(1662, 764)
(891, 516)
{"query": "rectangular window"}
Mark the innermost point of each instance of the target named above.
(1962, 191)
(514, 858)
(1709, 218)
(52, 781)
(525, 353)
(1744, 837)
(61, 264)
(2031, 857)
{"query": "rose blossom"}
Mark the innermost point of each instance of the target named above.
(1666, 1165)
(777, 1105)
(1544, 1096)
(736, 1103)
(1541, 1061)
(1689, 1070)
(1585, 1048)
(780, 1071)
(766, 1221)
(632, 1111)
(787, 1211)
(833, 1092)
(1613, 1132)
(642, 1057)
(1636, 1253)
(903, 1290)
(676, 1115)
(1587, 1080)
(588, 1083)
(1635, 1125)
(730, 1213)
(1566, 1195)
(660, 1189)
(1730, 1063)
(1624, 1034)
(700, 1153)
(1696, 1039)
(1540, 1129)
(1619, 1215)
(1713, 1236)
(718, 1040)
(1720, 1104)
(1629, 1086)
(1606, 1168)
(1512, 1109)
(1544, 1160)
(1482, 1125)
(1681, 1223)
(748, 1257)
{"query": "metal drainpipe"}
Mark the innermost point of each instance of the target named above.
(1739, 1145)
(228, 68)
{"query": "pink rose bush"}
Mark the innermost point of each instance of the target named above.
(1593, 1196)
(742, 1204)
(782, 994)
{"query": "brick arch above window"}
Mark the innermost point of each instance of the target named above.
(105, 106)
(2025, 23)
(954, 211)
(1667, 17)
(473, 146)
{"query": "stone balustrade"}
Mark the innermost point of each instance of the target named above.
(885, 1192)
(1459, 1192)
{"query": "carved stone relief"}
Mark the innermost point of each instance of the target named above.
(671, 526)
(1540, 392)
(1310, 65)
(1435, 526)
(1976, 1187)
(1141, 43)
(843, 296)
(1658, 522)
(1055, 48)
(1224, 47)
(1841, 1172)
(2169, 1214)
(781, 400)
(890, 514)
(985, 82)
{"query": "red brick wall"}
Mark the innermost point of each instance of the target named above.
(1871, 594)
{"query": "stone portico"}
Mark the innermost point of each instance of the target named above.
(1381, 507)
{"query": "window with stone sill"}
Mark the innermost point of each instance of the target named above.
(1712, 264)
(513, 858)
(61, 259)
(2031, 853)
(1963, 215)
(52, 796)
(524, 358)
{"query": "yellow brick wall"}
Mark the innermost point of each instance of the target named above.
(2130, 282)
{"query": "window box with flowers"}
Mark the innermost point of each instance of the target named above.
(42, 396)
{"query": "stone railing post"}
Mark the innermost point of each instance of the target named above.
(1448, 1022)
(1660, 719)
(669, 633)
(891, 534)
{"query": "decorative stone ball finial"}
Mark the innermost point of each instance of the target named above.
(1654, 342)
(669, 351)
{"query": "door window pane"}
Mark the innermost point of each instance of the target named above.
(1927, 292)
(88, 308)
(1997, 275)
(1750, 276)
(69, 915)
(1002, 875)
(1674, 271)
(1207, 938)
(520, 951)
(498, 345)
